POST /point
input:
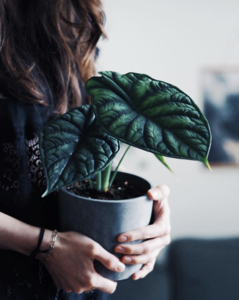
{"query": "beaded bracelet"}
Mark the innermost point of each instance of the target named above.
(53, 241)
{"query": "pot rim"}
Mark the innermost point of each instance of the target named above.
(142, 198)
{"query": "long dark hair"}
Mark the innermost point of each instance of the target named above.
(56, 39)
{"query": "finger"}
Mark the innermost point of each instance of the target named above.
(157, 229)
(109, 260)
(159, 193)
(146, 269)
(103, 284)
(140, 259)
(145, 247)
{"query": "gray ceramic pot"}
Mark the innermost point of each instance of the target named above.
(104, 220)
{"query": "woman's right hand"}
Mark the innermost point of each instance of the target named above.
(71, 263)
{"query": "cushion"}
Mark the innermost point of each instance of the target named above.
(204, 269)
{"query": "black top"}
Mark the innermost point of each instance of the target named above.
(22, 183)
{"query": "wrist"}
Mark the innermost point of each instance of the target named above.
(45, 245)
(25, 242)
(18, 236)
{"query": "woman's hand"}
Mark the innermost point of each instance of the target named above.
(156, 236)
(71, 263)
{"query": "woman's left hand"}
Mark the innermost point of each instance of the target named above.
(156, 235)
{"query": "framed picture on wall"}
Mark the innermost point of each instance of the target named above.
(221, 107)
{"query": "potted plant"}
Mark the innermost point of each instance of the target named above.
(79, 146)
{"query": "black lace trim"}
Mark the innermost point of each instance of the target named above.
(36, 172)
(12, 167)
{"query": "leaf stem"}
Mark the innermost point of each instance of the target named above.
(116, 169)
(90, 183)
(106, 177)
(98, 182)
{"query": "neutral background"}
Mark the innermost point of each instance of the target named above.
(174, 41)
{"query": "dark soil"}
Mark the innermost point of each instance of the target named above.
(118, 191)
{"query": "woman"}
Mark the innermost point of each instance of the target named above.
(47, 52)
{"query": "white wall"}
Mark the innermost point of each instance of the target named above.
(173, 41)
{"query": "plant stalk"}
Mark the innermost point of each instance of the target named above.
(98, 182)
(106, 178)
(116, 169)
(90, 183)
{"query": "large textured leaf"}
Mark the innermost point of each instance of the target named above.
(152, 115)
(73, 148)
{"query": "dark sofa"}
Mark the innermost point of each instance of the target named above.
(194, 269)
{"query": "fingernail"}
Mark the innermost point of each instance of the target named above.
(120, 249)
(127, 259)
(123, 238)
(120, 267)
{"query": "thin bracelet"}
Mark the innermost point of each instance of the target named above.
(37, 249)
(54, 238)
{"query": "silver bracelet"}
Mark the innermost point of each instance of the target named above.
(53, 241)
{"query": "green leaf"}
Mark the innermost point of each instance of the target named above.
(151, 115)
(162, 160)
(73, 148)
